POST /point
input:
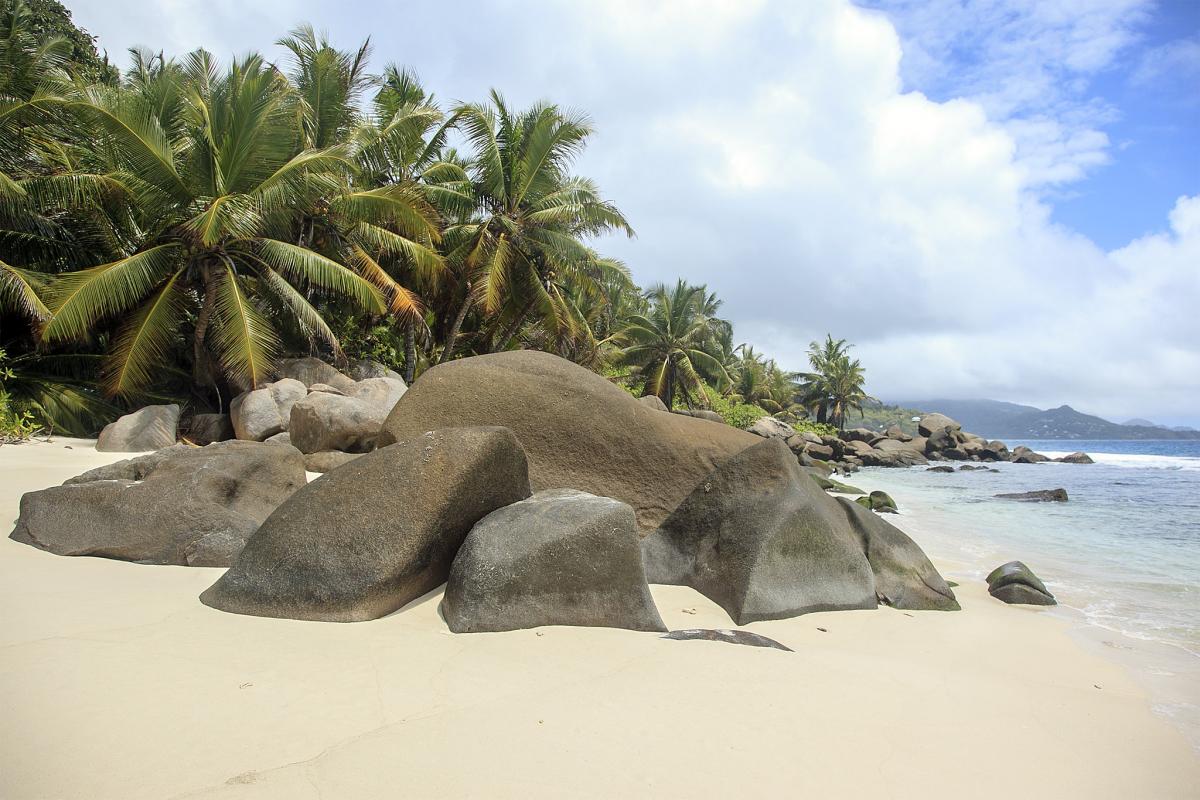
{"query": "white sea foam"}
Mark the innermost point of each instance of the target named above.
(1138, 461)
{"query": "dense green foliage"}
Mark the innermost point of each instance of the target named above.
(174, 230)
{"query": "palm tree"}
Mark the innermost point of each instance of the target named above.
(515, 253)
(815, 389)
(213, 185)
(847, 392)
(672, 345)
(382, 223)
(835, 386)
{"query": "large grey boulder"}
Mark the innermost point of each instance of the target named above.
(376, 533)
(208, 428)
(763, 541)
(559, 558)
(579, 431)
(260, 413)
(931, 423)
(312, 370)
(859, 435)
(904, 576)
(381, 394)
(191, 506)
(1076, 458)
(772, 428)
(149, 428)
(1015, 583)
(349, 421)
(324, 421)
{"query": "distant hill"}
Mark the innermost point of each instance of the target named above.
(1000, 420)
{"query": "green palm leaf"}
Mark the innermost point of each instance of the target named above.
(80, 299)
(243, 341)
(143, 343)
(19, 292)
(298, 264)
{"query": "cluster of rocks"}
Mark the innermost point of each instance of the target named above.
(939, 439)
(538, 492)
(326, 414)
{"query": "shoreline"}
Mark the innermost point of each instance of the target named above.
(1169, 671)
(117, 682)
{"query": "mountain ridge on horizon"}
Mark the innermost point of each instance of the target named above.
(1001, 419)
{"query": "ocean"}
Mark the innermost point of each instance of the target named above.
(1122, 555)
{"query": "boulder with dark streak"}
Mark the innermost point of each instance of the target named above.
(188, 506)
(904, 576)
(377, 532)
(763, 541)
(1015, 583)
(559, 558)
(579, 430)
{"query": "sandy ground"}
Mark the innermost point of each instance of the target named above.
(115, 682)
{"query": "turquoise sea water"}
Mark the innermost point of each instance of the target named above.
(1123, 554)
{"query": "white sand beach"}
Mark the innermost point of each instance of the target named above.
(116, 682)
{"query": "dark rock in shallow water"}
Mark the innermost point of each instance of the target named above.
(729, 636)
(904, 576)
(941, 468)
(376, 533)
(1023, 455)
(1039, 496)
(579, 431)
(830, 485)
(972, 468)
(1015, 583)
(878, 501)
(1076, 458)
(189, 506)
(559, 558)
(763, 541)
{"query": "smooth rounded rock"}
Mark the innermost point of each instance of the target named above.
(148, 428)
(579, 431)
(763, 541)
(559, 558)
(377, 533)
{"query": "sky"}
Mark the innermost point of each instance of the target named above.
(989, 198)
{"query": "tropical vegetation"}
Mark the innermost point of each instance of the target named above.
(172, 230)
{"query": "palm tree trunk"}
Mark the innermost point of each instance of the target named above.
(201, 365)
(512, 328)
(410, 353)
(458, 321)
